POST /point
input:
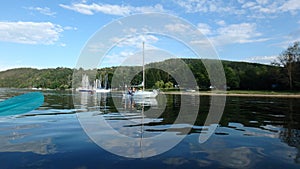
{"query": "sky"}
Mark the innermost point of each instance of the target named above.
(53, 33)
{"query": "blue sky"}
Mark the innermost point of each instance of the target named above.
(52, 33)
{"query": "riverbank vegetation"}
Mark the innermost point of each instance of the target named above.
(58, 78)
(239, 76)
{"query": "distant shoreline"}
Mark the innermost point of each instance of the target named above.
(277, 95)
(239, 93)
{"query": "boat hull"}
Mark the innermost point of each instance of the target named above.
(102, 90)
(145, 94)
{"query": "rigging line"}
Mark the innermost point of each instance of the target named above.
(144, 66)
(142, 132)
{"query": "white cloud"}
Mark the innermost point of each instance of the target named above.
(126, 58)
(221, 23)
(136, 41)
(92, 8)
(204, 28)
(237, 33)
(230, 34)
(261, 59)
(240, 30)
(219, 6)
(30, 32)
(223, 35)
(147, 9)
(264, 7)
(45, 11)
(128, 51)
(178, 27)
(291, 6)
(248, 5)
(114, 59)
(70, 28)
(253, 9)
(119, 10)
(263, 2)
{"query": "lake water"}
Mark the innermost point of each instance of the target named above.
(84, 130)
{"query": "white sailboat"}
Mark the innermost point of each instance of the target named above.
(99, 88)
(142, 93)
(85, 84)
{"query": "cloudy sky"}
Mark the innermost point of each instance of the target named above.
(52, 33)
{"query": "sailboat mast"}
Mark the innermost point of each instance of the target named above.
(143, 66)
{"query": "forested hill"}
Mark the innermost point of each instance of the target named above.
(59, 78)
(239, 75)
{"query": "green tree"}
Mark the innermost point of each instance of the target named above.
(289, 59)
(169, 85)
(232, 80)
(160, 84)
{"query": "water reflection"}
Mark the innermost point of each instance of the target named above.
(277, 118)
(263, 117)
(234, 157)
(42, 147)
(26, 133)
(291, 133)
(123, 132)
(16, 138)
(252, 133)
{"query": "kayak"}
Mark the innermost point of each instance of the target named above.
(21, 104)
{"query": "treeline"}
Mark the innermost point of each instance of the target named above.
(253, 76)
(239, 75)
(58, 78)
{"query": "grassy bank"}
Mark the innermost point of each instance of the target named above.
(264, 92)
(245, 93)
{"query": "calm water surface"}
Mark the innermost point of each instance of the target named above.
(253, 133)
